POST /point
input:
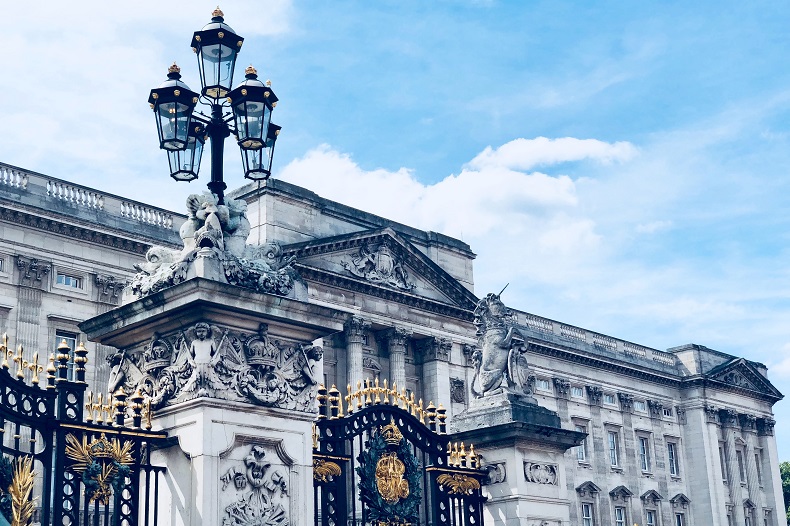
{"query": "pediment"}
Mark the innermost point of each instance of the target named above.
(739, 373)
(651, 496)
(588, 488)
(621, 492)
(379, 262)
(680, 501)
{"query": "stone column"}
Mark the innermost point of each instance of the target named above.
(748, 425)
(32, 278)
(772, 482)
(396, 339)
(354, 329)
(628, 456)
(435, 354)
(729, 422)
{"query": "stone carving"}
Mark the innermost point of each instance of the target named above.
(32, 271)
(355, 328)
(712, 414)
(651, 498)
(500, 362)
(748, 422)
(738, 380)
(728, 417)
(681, 412)
(595, 394)
(469, 352)
(261, 492)
(496, 473)
(434, 349)
(216, 232)
(765, 426)
(656, 408)
(371, 364)
(109, 288)
(626, 401)
(457, 390)
(541, 473)
(207, 360)
(380, 265)
(562, 387)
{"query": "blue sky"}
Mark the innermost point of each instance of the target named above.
(622, 164)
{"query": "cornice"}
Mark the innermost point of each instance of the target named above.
(701, 381)
(355, 285)
(73, 231)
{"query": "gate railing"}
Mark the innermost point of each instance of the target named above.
(380, 458)
(67, 461)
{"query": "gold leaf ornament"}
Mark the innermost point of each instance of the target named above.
(106, 455)
(21, 489)
(323, 469)
(457, 484)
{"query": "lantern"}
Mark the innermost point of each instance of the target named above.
(185, 164)
(258, 163)
(216, 46)
(173, 103)
(252, 104)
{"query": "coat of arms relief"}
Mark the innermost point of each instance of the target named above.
(379, 264)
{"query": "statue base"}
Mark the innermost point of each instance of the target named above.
(523, 447)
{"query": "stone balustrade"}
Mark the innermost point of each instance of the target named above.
(46, 189)
(597, 340)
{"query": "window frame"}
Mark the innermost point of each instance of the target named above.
(610, 399)
(582, 456)
(680, 519)
(588, 520)
(622, 519)
(539, 384)
(741, 465)
(673, 462)
(640, 405)
(613, 445)
(61, 335)
(644, 453)
(648, 514)
(577, 392)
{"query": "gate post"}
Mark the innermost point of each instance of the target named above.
(231, 375)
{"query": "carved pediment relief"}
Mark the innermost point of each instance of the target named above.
(741, 374)
(588, 489)
(379, 262)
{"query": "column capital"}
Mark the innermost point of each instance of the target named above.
(728, 417)
(626, 401)
(562, 387)
(433, 348)
(396, 339)
(32, 271)
(712, 414)
(765, 426)
(595, 394)
(748, 422)
(355, 327)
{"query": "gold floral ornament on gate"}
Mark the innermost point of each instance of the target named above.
(103, 464)
(390, 469)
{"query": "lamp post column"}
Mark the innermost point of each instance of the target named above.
(218, 131)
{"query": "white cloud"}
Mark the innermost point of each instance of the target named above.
(653, 226)
(525, 154)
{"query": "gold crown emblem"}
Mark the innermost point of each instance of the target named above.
(174, 68)
(101, 448)
(391, 433)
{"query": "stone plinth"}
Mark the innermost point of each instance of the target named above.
(522, 445)
(232, 375)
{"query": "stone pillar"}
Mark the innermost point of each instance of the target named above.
(729, 423)
(32, 275)
(435, 354)
(772, 481)
(748, 424)
(354, 329)
(628, 454)
(396, 339)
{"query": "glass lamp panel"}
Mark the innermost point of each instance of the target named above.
(216, 66)
(256, 163)
(185, 164)
(251, 119)
(173, 120)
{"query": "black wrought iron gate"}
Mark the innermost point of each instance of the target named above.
(386, 461)
(67, 458)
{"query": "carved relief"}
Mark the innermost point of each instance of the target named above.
(109, 288)
(379, 265)
(540, 473)
(595, 394)
(737, 379)
(765, 426)
(435, 349)
(500, 362)
(32, 271)
(681, 412)
(258, 492)
(496, 473)
(220, 232)
(728, 417)
(712, 414)
(355, 328)
(656, 408)
(562, 387)
(396, 338)
(207, 360)
(748, 422)
(457, 390)
(626, 401)
(468, 351)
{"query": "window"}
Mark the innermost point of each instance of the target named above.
(577, 392)
(71, 340)
(672, 455)
(587, 514)
(68, 280)
(619, 516)
(544, 384)
(614, 448)
(581, 450)
(609, 399)
(722, 460)
(741, 471)
(650, 518)
(668, 412)
(680, 519)
(644, 453)
(758, 462)
(747, 516)
(639, 405)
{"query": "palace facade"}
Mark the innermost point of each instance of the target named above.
(674, 437)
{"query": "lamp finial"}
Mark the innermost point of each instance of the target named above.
(217, 12)
(250, 70)
(174, 68)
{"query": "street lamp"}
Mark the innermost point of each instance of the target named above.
(182, 131)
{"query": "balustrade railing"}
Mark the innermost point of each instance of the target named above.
(48, 188)
(600, 341)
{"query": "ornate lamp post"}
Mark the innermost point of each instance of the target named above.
(182, 131)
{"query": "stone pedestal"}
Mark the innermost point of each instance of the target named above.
(240, 415)
(522, 446)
